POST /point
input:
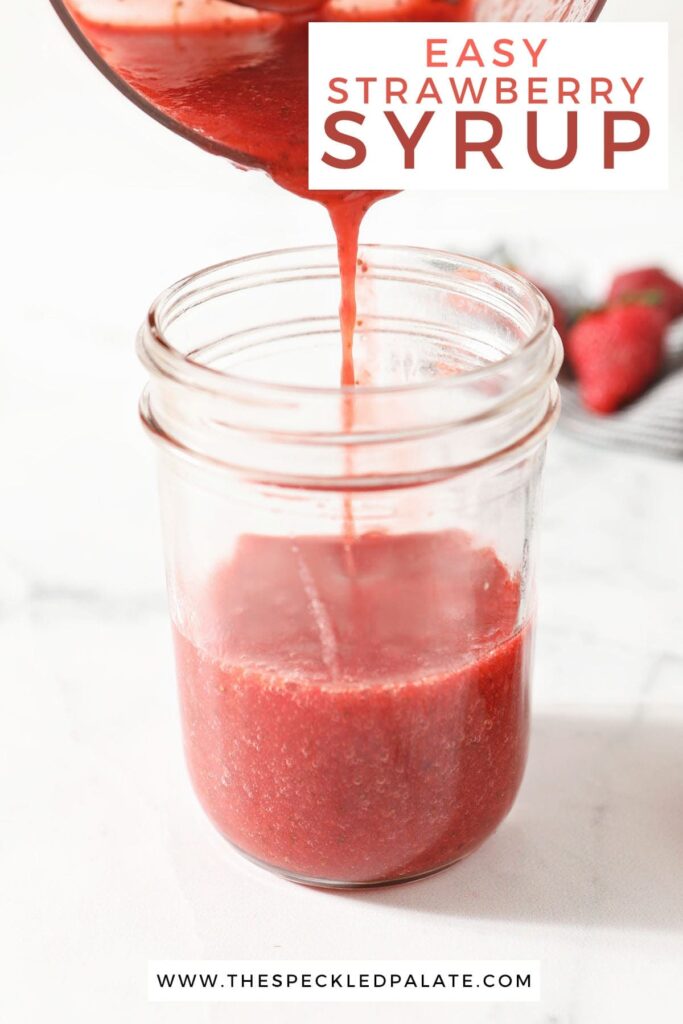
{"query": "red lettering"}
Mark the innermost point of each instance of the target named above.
(463, 146)
(632, 90)
(432, 53)
(460, 95)
(470, 52)
(409, 142)
(333, 133)
(537, 90)
(396, 90)
(612, 147)
(506, 90)
(572, 141)
(366, 87)
(428, 92)
(568, 89)
(501, 48)
(601, 89)
(535, 53)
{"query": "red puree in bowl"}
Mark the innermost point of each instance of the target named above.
(356, 728)
(241, 81)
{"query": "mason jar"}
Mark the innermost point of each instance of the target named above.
(351, 570)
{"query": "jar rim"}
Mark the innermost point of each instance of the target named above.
(299, 434)
(159, 355)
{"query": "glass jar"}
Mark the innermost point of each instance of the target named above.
(351, 570)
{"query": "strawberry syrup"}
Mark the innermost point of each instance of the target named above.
(356, 729)
(356, 709)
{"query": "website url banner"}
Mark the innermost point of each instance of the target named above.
(344, 981)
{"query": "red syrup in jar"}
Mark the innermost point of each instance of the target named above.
(354, 708)
(356, 728)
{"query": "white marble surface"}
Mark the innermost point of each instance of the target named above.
(106, 859)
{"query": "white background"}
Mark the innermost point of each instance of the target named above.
(106, 860)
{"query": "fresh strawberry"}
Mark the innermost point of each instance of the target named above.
(651, 286)
(616, 352)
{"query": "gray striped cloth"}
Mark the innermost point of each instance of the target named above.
(653, 423)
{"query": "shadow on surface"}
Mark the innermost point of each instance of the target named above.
(596, 835)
